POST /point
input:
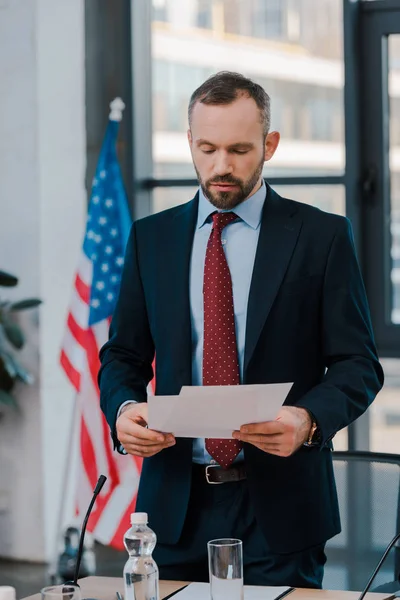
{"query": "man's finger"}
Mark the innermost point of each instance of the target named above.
(266, 428)
(275, 449)
(125, 438)
(140, 453)
(130, 428)
(270, 438)
(253, 439)
(143, 451)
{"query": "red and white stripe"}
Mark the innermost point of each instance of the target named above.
(79, 359)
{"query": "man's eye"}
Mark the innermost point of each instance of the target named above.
(240, 151)
(208, 151)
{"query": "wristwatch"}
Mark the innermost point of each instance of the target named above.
(314, 436)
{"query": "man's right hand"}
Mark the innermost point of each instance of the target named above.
(134, 436)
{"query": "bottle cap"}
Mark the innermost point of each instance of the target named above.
(139, 518)
(7, 592)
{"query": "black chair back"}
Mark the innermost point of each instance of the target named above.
(368, 485)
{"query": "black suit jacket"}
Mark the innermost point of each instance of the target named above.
(307, 322)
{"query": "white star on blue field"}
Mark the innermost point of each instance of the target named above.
(103, 246)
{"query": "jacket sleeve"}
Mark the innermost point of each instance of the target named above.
(353, 374)
(126, 359)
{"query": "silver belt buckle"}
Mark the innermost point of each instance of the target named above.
(208, 477)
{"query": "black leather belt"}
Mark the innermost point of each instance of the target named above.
(214, 474)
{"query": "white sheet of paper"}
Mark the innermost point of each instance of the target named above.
(215, 411)
(223, 390)
(201, 591)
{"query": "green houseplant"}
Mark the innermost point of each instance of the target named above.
(12, 339)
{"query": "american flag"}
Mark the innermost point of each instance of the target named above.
(93, 300)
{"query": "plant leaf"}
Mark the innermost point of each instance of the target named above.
(8, 400)
(23, 374)
(9, 364)
(24, 304)
(13, 334)
(14, 369)
(7, 280)
(6, 382)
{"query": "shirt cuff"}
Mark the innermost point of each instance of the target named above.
(121, 449)
(124, 404)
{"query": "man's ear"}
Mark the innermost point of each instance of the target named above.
(271, 144)
(189, 136)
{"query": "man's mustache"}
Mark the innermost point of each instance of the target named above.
(225, 179)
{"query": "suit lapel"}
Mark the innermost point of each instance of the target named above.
(280, 228)
(174, 279)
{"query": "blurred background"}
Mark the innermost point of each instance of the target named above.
(332, 70)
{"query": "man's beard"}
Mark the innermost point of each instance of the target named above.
(229, 199)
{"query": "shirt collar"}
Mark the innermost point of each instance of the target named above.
(249, 210)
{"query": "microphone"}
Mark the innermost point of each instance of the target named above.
(101, 481)
(378, 566)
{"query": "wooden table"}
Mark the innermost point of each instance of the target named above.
(104, 588)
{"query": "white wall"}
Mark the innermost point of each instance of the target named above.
(42, 208)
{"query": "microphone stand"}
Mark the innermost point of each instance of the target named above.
(101, 481)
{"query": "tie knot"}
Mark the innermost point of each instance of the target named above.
(222, 219)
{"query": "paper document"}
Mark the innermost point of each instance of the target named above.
(215, 411)
(201, 591)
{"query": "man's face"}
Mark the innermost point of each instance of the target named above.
(228, 150)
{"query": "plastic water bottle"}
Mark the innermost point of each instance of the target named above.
(140, 571)
(7, 592)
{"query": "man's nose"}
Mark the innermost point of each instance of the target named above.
(222, 164)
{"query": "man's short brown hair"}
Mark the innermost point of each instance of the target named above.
(225, 87)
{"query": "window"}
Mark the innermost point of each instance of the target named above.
(394, 165)
(272, 42)
(160, 10)
(269, 19)
(385, 411)
(330, 198)
(168, 197)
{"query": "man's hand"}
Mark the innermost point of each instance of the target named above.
(133, 434)
(283, 436)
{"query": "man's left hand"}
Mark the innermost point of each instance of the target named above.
(283, 436)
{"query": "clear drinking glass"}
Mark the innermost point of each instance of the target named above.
(225, 561)
(61, 592)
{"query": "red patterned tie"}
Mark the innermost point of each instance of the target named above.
(220, 360)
